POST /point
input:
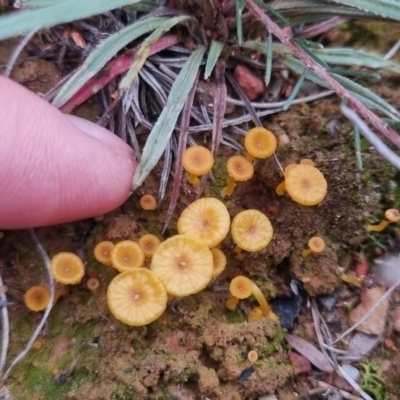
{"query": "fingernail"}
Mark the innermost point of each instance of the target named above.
(102, 134)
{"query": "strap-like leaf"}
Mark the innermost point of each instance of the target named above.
(102, 54)
(213, 55)
(162, 131)
(61, 11)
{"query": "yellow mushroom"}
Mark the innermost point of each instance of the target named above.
(316, 245)
(67, 268)
(243, 287)
(280, 189)
(206, 219)
(307, 161)
(197, 161)
(305, 184)
(231, 303)
(137, 297)
(259, 143)
(148, 202)
(149, 243)
(219, 259)
(391, 215)
(239, 169)
(252, 356)
(184, 264)
(127, 255)
(37, 298)
(251, 230)
(102, 252)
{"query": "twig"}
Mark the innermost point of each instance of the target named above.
(392, 51)
(345, 394)
(17, 52)
(5, 327)
(322, 73)
(380, 147)
(375, 306)
(46, 261)
(219, 104)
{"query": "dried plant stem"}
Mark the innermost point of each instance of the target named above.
(17, 52)
(35, 334)
(5, 327)
(219, 104)
(322, 73)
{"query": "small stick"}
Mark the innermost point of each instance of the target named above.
(5, 327)
(33, 338)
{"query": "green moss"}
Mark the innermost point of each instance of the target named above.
(234, 317)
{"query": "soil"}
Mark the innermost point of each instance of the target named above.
(198, 348)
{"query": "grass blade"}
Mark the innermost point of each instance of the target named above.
(99, 57)
(213, 55)
(239, 28)
(268, 65)
(295, 90)
(144, 50)
(384, 8)
(162, 131)
(60, 12)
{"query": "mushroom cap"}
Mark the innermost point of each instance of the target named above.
(67, 268)
(252, 356)
(206, 219)
(197, 160)
(37, 298)
(251, 230)
(136, 297)
(102, 252)
(392, 215)
(127, 255)
(241, 287)
(149, 243)
(92, 283)
(316, 244)
(184, 264)
(256, 314)
(307, 161)
(219, 261)
(305, 184)
(239, 168)
(148, 202)
(260, 142)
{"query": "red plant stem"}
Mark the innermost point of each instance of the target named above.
(310, 64)
(115, 67)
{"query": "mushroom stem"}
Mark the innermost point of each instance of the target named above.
(239, 255)
(280, 189)
(62, 291)
(194, 180)
(378, 228)
(249, 157)
(231, 303)
(228, 190)
(305, 253)
(265, 307)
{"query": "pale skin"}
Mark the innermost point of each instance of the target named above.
(56, 168)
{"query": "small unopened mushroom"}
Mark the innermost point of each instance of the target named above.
(239, 169)
(219, 261)
(251, 230)
(92, 284)
(259, 143)
(252, 356)
(197, 161)
(67, 268)
(149, 243)
(316, 245)
(231, 303)
(391, 215)
(184, 264)
(127, 255)
(102, 252)
(205, 219)
(37, 298)
(137, 297)
(305, 184)
(148, 202)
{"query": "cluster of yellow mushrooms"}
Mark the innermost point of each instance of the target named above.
(151, 272)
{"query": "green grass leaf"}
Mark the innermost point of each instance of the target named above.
(102, 54)
(144, 49)
(162, 131)
(213, 55)
(59, 12)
